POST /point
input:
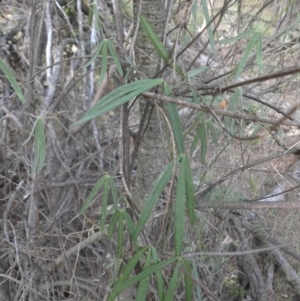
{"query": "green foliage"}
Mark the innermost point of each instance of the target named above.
(179, 214)
(176, 126)
(144, 284)
(158, 45)
(121, 284)
(104, 48)
(175, 121)
(188, 282)
(40, 145)
(118, 97)
(109, 188)
(202, 136)
(235, 103)
(252, 42)
(189, 189)
(209, 29)
(173, 283)
(12, 80)
(235, 38)
(153, 198)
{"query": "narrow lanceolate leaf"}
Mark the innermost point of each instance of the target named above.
(154, 40)
(236, 38)
(115, 57)
(188, 282)
(246, 55)
(173, 283)
(195, 72)
(195, 140)
(40, 145)
(152, 200)
(121, 282)
(95, 55)
(209, 30)
(92, 194)
(144, 284)
(189, 189)
(152, 269)
(10, 77)
(176, 126)
(195, 274)
(180, 209)
(259, 51)
(203, 139)
(200, 134)
(157, 44)
(112, 224)
(118, 97)
(131, 228)
(104, 201)
(212, 130)
(120, 235)
(113, 191)
(234, 104)
(158, 275)
(104, 60)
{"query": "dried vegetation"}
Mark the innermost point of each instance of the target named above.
(49, 251)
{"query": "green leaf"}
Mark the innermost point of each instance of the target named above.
(95, 55)
(104, 202)
(196, 276)
(157, 44)
(176, 126)
(131, 264)
(121, 282)
(212, 130)
(115, 57)
(196, 98)
(120, 235)
(118, 288)
(209, 30)
(40, 145)
(131, 227)
(180, 209)
(236, 38)
(189, 189)
(154, 195)
(104, 60)
(196, 71)
(234, 104)
(116, 264)
(92, 194)
(113, 191)
(245, 56)
(94, 20)
(259, 51)
(118, 97)
(173, 283)
(112, 224)
(200, 134)
(188, 282)
(12, 80)
(144, 284)
(154, 40)
(203, 140)
(158, 275)
(195, 141)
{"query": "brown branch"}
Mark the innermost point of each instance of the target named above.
(248, 205)
(208, 109)
(262, 78)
